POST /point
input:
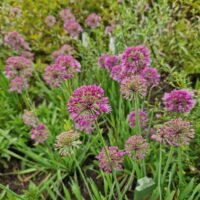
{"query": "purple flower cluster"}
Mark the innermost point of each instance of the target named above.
(109, 29)
(29, 118)
(39, 133)
(93, 20)
(18, 70)
(179, 101)
(50, 21)
(110, 159)
(143, 118)
(86, 104)
(66, 15)
(175, 132)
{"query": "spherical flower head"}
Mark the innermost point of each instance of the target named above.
(18, 84)
(66, 142)
(73, 28)
(136, 58)
(39, 133)
(102, 59)
(18, 66)
(86, 104)
(116, 73)
(136, 147)
(16, 41)
(175, 132)
(132, 85)
(151, 75)
(71, 65)
(181, 101)
(110, 159)
(55, 75)
(143, 117)
(93, 20)
(66, 15)
(30, 119)
(50, 21)
(15, 12)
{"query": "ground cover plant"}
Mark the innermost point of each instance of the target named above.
(99, 100)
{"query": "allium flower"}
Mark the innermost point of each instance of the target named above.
(143, 117)
(175, 132)
(136, 147)
(39, 133)
(109, 29)
(73, 28)
(86, 104)
(93, 20)
(67, 141)
(29, 118)
(179, 101)
(132, 85)
(136, 58)
(151, 76)
(66, 15)
(64, 50)
(18, 84)
(112, 159)
(16, 12)
(102, 59)
(18, 66)
(116, 73)
(27, 54)
(55, 75)
(71, 65)
(50, 20)
(16, 41)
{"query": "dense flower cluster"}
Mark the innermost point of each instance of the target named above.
(50, 20)
(110, 159)
(93, 20)
(18, 84)
(133, 85)
(143, 118)
(66, 15)
(67, 141)
(175, 132)
(39, 133)
(136, 147)
(73, 28)
(29, 118)
(15, 12)
(86, 104)
(179, 101)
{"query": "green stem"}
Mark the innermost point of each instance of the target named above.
(159, 173)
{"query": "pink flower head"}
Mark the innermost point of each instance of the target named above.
(116, 73)
(136, 58)
(16, 12)
(142, 117)
(18, 84)
(29, 118)
(55, 75)
(175, 132)
(50, 20)
(109, 29)
(179, 101)
(93, 20)
(16, 41)
(39, 133)
(110, 159)
(136, 147)
(18, 66)
(66, 15)
(151, 76)
(73, 28)
(101, 60)
(86, 104)
(132, 85)
(71, 65)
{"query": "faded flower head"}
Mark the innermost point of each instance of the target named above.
(136, 147)
(86, 104)
(175, 132)
(111, 159)
(151, 75)
(50, 20)
(18, 66)
(16, 41)
(39, 133)
(71, 65)
(179, 101)
(55, 75)
(18, 84)
(15, 12)
(66, 15)
(73, 28)
(132, 85)
(93, 20)
(67, 141)
(29, 118)
(143, 117)
(136, 58)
